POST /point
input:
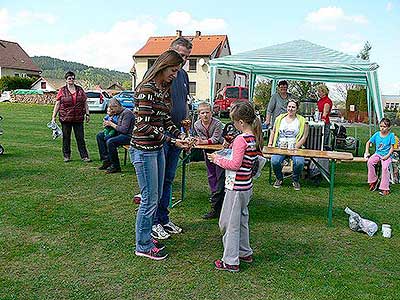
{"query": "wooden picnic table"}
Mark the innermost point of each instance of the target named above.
(332, 156)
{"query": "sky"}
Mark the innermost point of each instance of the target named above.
(107, 33)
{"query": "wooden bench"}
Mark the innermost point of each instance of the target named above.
(126, 148)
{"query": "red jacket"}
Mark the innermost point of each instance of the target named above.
(70, 111)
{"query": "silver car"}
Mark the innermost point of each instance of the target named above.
(97, 100)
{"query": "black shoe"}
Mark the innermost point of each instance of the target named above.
(113, 170)
(105, 165)
(212, 214)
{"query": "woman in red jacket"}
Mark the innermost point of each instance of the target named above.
(73, 109)
(324, 107)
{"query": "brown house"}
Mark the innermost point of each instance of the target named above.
(14, 61)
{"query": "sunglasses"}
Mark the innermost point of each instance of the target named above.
(70, 78)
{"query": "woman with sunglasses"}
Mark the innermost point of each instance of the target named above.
(72, 107)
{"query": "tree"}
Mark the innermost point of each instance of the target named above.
(302, 90)
(364, 52)
(262, 94)
(8, 83)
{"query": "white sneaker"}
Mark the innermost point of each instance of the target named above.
(158, 232)
(172, 228)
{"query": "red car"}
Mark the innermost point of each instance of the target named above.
(227, 96)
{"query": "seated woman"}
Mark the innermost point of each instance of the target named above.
(289, 128)
(108, 147)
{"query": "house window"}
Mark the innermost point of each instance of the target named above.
(218, 86)
(192, 65)
(43, 85)
(16, 74)
(219, 72)
(192, 88)
(150, 63)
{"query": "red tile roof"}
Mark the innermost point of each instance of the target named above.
(202, 45)
(13, 56)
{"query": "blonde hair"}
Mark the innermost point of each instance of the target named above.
(203, 104)
(323, 88)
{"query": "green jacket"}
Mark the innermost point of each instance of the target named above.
(278, 120)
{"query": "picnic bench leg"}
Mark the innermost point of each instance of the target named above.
(331, 185)
(125, 156)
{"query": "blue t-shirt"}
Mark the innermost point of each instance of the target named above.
(382, 144)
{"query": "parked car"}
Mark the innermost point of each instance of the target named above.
(227, 96)
(97, 100)
(126, 99)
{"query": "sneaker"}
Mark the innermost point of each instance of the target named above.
(246, 259)
(296, 186)
(278, 184)
(137, 198)
(105, 165)
(158, 232)
(111, 170)
(154, 253)
(86, 159)
(220, 265)
(67, 159)
(374, 185)
(172, 228)
(212, 214)
(157, 244)
(384, 192)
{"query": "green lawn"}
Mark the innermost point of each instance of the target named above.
(67, 231)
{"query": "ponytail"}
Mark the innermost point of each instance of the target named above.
(256, 127)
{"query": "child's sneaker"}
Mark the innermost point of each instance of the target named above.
(154, 253)
(157, 244)
(246, 259)
(384, 192)
(373, 185)
(296, 186)
(220, 265)
(158, 232)
(137, 198)
(278, 184)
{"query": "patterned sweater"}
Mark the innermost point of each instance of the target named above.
(239, 167)
(152, 119)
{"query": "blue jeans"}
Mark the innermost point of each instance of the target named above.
(108, 149)
(150, 168)
(171, 163)
(298, 166)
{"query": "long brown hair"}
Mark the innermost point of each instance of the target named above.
(169, 58)
(244, 110)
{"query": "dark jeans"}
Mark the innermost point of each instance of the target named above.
(79, 136)
(108, 149)
(171, 163)
(327, 134)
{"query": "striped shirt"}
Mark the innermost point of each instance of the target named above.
(244, 154)
(152, 113)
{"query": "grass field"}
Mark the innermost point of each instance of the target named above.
(67, 231)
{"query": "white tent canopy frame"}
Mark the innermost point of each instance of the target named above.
(303, 60)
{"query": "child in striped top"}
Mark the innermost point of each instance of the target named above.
(234, 218)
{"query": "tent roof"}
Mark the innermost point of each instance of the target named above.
(299, 60)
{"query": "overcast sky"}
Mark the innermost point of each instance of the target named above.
(107, 33)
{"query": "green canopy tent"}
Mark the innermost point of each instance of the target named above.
(302, 60)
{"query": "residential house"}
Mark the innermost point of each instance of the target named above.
(391, 102)
(14, 61)
(48, 84)
(205, 48)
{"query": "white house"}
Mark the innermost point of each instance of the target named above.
(391, 102)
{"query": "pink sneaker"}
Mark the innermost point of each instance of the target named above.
(220, 265)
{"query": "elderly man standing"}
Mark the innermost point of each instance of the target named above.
(163, 226)
(108, 147)
(277, 104)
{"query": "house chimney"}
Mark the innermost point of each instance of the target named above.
(178, 33)
(198, 33)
